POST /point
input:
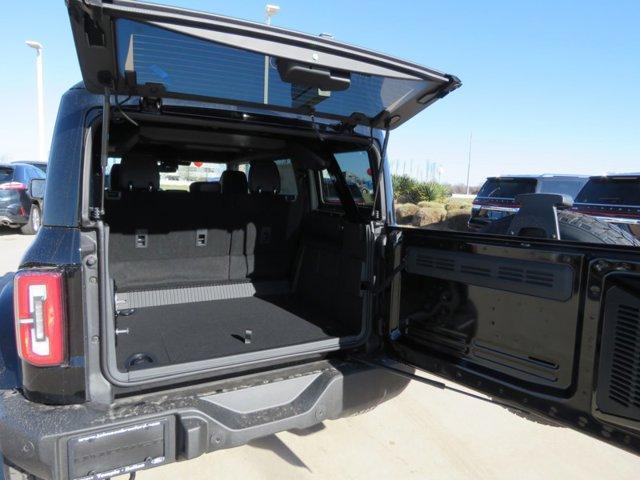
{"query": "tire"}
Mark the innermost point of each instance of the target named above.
(35, 221)
(577, 227)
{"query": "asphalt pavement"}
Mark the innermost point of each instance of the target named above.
(425, 433)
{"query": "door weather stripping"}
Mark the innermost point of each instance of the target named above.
(98, 213)
(432, 383)
(383, 155)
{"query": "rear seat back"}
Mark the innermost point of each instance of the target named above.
(213, 188)
(163, 239)
(235, 198)
(269, 245)
(213, 233)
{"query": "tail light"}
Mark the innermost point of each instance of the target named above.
(40, 317)
(13, 186)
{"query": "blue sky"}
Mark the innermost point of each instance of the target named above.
(548, 86)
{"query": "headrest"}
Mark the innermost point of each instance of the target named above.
(205, 187)
(233, 182)
(141, 173)
(114, 177)
(264, 178)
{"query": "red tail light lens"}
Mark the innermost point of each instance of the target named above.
(40, 317)
(13, 186)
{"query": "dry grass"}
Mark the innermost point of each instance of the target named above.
(452, 214)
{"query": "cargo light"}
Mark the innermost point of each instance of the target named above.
(40, 317)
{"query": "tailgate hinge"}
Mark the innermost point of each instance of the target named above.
(384, 364)
(151, 104)
(378, 289)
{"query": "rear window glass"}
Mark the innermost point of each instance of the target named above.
(288, 185)
(357, 172)
(562, 187)
(37, 172)
(188, 65)
(185, 175)
(611, 192)
(6, 174)
(506, 188)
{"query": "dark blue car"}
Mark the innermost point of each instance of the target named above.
(18, 208)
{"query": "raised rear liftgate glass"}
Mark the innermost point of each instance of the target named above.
(150, 50)
(183, 64)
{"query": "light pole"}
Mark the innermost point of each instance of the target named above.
(40, 92)
(270, 10)
(469, 161)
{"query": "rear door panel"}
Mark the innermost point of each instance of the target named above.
(550, 328)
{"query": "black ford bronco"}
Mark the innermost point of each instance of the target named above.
(153, 321)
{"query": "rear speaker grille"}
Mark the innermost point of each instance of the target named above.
(438, 263)
(618, 391)
(536, 278)
(625, 372)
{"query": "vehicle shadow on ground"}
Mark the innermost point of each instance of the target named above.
(8, 231)
(277, 446)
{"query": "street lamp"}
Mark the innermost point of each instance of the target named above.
(270, 10)
(40, 92)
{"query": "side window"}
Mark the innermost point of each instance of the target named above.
(357, 174)
(111, 161)
(288, 184)
(38, 173)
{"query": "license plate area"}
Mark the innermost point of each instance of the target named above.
(121, 450)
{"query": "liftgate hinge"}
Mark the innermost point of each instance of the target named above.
(151, 104)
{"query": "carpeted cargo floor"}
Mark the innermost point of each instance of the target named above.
(173, 334)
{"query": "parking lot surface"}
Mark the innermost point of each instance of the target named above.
(423, 433)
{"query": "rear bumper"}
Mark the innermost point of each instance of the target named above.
(12, 215)
(10, 220)
(72, 442)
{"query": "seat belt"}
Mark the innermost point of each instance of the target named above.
(342, 189)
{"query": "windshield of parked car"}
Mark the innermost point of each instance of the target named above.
(6, 174)
(562, 187)
(611, 192)
(505, 188)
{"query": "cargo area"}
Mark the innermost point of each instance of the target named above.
(228, 267)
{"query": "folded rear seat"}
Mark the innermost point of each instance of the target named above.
(163, 239)
(270, 237)
(215, 233)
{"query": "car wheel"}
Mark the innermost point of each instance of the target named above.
(35, 220)
(576, 227)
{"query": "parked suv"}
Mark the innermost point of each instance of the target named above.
(38, 164)
(614, 199)
(149, 324)
(18, 207)
(497, 196)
